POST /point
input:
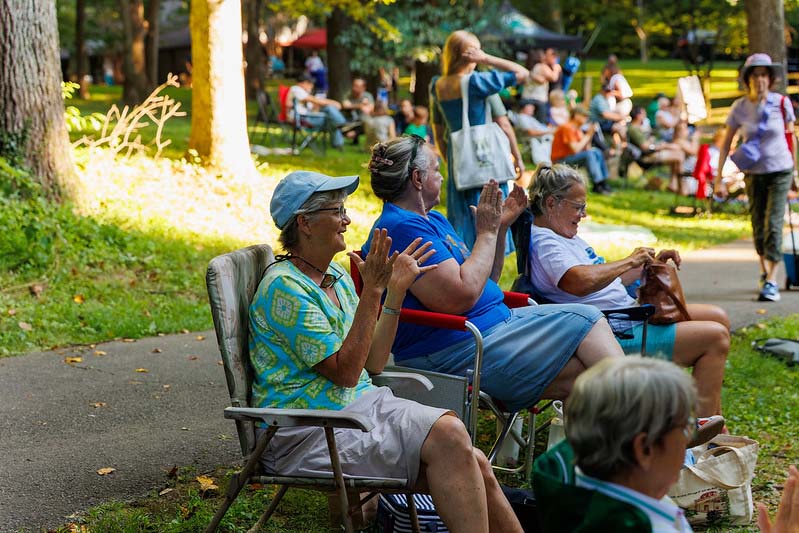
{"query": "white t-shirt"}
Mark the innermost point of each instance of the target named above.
(552, 255)
(314, 63)
(299, 94)
(618, 82)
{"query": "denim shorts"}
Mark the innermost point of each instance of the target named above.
(521, 355)
(659, 340)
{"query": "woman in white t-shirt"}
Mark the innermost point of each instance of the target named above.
(566, 269)
(620, 89)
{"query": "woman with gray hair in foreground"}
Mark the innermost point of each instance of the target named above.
(627, 424)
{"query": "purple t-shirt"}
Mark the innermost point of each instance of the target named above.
(744, 114)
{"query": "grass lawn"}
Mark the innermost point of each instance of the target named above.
(127, 258)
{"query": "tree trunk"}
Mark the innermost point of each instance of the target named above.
(218, 114)
(424, 75)
(80, 48)
(765, 27)
(338, 57)
(151, 43)
(30, 92)
(135, 87)
(254, 74)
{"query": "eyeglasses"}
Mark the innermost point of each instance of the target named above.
(417, 141)
(580, 207)
(342, 211)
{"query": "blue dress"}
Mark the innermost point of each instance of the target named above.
(449, 113)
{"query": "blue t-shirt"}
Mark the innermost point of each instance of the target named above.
(404, 226)
(294, 326)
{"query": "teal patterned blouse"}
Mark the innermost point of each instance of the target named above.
(294, 326)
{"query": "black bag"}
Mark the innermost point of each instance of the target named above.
(785, 349)
(523, 503)
(393, 515)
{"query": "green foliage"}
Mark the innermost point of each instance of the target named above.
(76, 122)
(16, 180)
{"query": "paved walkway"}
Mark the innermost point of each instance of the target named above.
(54, 439)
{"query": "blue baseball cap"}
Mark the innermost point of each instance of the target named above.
(295, 189)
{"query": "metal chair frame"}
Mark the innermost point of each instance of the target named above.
(231, 281)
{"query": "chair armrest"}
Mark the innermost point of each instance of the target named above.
(638, 312)
(409, 381)
(299, 417)
(516, 299)
(431, 319)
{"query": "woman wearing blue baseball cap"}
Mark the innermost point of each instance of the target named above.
(766, 121)
(312, 342)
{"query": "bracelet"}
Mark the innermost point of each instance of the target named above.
(390, 311)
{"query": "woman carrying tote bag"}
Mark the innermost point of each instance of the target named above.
(765, 119)
(461, 55)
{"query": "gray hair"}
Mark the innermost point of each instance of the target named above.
(290, 234)
(555, 180)
(619, 398)
(391, 166)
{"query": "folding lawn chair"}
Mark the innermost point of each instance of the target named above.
(267, 116)
(308, 128)
(231, 281)
(467, 389)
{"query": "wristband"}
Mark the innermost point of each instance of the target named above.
(390, 311)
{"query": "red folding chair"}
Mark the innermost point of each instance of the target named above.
(472, 381)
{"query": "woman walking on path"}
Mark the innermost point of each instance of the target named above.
(765, 116)
(461, 55)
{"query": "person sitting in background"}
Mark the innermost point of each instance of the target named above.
(378, 127)
(403, 116)
(620, 89)
(358, 104)
(329, 111)
(532, 132)
(627, 425)
(652, 108)
(558, 111)
(419, 125)
(610, 122)
(312, 341)
(689, 144)
(573, 147)
(565, 269)
(666, 117)
(646, 152)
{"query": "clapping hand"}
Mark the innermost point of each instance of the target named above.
(787, 520)
(514, 204)
(377, 267)
(488, 213)
(408, 265)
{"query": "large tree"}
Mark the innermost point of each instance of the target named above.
(30, 91)
(218, 114)
(136, 85)
(765, 26)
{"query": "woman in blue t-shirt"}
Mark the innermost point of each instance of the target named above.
(530, 352)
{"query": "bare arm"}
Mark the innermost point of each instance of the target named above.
(406, 269)
(321, 102)
(507, 128)
(455, 288)
(582, 144)
(479, 56)
(724, 151)
(583, 280)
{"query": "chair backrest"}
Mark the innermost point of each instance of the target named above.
(231, 280)
(264, 108)
(282, 97)
(702, 171)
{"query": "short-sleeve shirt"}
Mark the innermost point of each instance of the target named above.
(300, 95)
(293, 326)
(564, 135)
(618, 82)
(404, 226)
(526, 123)
(744, 114)
(481, 86)
(599, 105)
(552, 255)
(637, 137)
